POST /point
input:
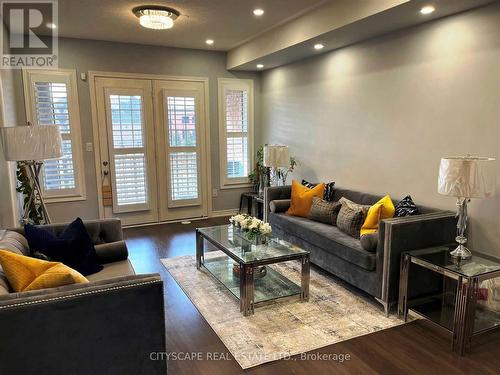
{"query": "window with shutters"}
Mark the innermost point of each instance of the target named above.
(128, 151)
(182, 148)
(235, 131)
(52, 98)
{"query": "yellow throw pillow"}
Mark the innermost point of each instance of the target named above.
(383, 209)
(372, 219)
(302, 198)
(26, 273)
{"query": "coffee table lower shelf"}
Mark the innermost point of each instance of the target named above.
(268, 288)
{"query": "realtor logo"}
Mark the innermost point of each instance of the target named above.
(31, 40)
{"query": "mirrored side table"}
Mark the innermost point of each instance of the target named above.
(451, 300)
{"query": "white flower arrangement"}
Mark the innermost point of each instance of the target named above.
(251, 225)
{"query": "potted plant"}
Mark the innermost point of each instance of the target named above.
(260, 177)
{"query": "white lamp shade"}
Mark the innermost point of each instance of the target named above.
(276, 156)
(37, 142)
(467, 177)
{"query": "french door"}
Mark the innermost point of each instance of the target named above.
(153, 149)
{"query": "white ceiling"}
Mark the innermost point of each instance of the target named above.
(228, 22)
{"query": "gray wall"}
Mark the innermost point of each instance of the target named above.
(85, 55)
(378, 116)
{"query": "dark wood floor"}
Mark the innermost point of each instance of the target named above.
(415, 348)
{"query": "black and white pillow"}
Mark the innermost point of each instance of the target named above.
(327, 193)
(406, 207)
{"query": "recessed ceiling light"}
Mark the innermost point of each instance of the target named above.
(260, 66)
(318, 46)
(258, 12)
(156, 17)
(51, 25)
(428, 9)
(209, 42)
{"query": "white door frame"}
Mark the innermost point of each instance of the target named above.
(93, 74)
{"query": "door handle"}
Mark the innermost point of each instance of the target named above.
(105, 170)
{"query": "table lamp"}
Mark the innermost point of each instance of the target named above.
(465, 178)
(276, 157)
(29, 146)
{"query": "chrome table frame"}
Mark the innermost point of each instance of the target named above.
(465, 301)
(247, 270)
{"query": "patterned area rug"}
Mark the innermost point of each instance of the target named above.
(283, 328)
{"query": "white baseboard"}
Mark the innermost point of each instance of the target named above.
(220, 213)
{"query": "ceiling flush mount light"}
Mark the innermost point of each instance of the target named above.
(260, 66)
(209, 41)
(156, 17)
(318, 46)
(51, 25)
(428, 9)
(258, 12)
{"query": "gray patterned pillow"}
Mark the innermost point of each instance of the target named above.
(323, 211)
(13, 241)
(351, 217)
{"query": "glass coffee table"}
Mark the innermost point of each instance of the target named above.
(242, 266)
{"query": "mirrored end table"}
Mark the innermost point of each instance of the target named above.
(453, 304)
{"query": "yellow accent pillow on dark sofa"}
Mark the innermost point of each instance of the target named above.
(302, 197)
(26, 273)
(383, 209)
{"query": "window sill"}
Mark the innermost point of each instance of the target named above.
(236, 186)
(75, 198)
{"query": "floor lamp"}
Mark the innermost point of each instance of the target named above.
(29, 146)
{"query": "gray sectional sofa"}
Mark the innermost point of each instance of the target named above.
(110, 325)
(376, 273)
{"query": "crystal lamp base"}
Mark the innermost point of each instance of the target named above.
(461, 251)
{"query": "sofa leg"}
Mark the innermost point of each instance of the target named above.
(386, 305)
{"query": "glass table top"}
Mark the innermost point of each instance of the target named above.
(440, 256)
(231, 240)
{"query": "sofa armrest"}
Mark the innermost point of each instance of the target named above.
(82, 329)
(275, 193)
(399, 235)
(279, 205)
(111, 252)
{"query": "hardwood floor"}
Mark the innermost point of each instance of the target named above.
(414, 348)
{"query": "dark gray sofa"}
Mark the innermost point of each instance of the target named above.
(376, 273)
(110, 325)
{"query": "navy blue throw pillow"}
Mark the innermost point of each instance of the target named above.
(73, 246)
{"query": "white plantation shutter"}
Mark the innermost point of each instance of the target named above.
(52, 107)
(236, 125)
(237, 133)
(182, 149)
(51, 98)
(60, 173)
(130, 179)
(184, 175)
(128, 153)
(181, 121)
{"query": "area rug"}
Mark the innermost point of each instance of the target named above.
(282, 328)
